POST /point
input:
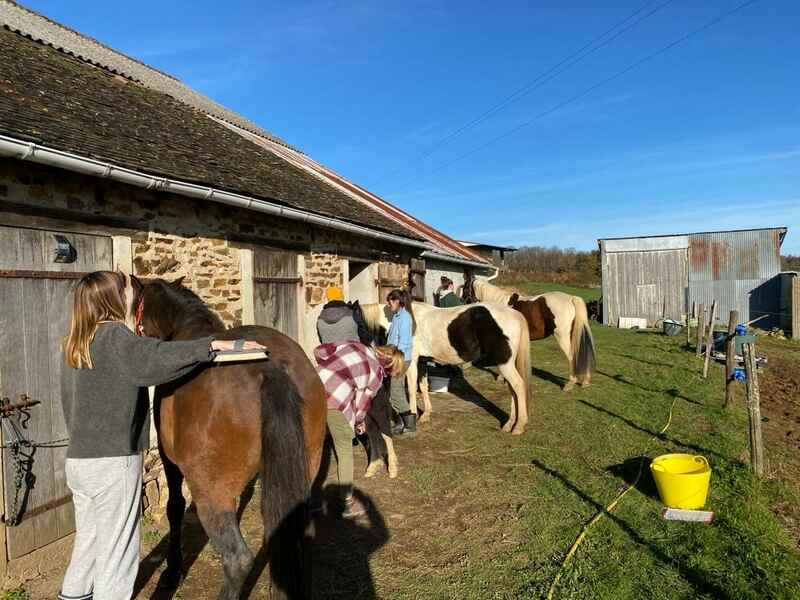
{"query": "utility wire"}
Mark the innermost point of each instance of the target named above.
(553, 72)
(587, 91)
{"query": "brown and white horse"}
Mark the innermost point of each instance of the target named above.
(494, 335)
(554, 313)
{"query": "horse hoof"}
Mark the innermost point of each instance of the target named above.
(425, 418)
(170, 580)
(507, 427)
(568, 387)
(518, 431)
(585, 384)
(372, 469)
(393, 473)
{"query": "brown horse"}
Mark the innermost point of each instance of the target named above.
(222, 425)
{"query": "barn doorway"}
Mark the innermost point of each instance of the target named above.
(362, 281)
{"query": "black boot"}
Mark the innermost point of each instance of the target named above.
(409, 424)
(397, 428)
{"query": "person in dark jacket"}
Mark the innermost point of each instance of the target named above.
(340, 322)
(446, 296)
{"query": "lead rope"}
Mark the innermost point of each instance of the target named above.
(608, 509)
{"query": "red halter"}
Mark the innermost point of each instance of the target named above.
(139, 327)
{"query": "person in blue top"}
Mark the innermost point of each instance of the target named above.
(401, 332)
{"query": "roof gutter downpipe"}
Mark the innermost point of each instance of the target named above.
(72, 162)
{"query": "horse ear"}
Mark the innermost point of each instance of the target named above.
(178, 282)
(136, 283)
(513, 299)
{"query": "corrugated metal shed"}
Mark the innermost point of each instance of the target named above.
(738, 269)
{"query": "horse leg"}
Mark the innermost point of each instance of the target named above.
(375, 443)
(426, 398)
(392, 457)
(565, 343)
(220, 523)
(176, 507)
(412, 380)
(519, 400)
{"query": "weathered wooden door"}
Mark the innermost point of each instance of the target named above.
(390, 277)
(34, 317)
(417, 279)
(276, 287)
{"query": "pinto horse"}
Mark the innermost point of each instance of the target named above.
(554, 313)
(494, 335)
(222, 425)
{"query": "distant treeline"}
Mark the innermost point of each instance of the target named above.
(562, 265)
(790, 262)
(567, 265)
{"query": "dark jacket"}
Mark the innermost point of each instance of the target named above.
(341, 322)
(448, 299)
(103, 410)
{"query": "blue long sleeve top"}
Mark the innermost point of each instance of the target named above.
(400, 333)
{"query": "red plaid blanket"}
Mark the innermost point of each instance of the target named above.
(352, 374)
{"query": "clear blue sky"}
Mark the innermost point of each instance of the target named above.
(705, 136)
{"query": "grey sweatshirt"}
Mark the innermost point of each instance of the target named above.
(105, 408)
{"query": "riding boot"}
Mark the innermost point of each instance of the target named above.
(397, 428)
(409, 423)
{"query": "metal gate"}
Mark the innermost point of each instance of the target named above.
(35, 291)
(276, 287)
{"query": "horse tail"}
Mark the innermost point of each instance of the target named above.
(284, 479)
(523, 363)
(583, 356)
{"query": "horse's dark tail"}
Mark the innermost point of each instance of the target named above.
(284, 481)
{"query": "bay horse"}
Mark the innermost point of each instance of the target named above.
(492, 334)
(222, 425)
(554, 313)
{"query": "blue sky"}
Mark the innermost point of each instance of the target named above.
(705, 136)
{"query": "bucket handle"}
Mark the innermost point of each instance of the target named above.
(657, 467)
(701, 460)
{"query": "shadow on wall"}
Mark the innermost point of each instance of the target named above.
(765, 304)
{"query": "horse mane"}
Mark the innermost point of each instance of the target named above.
(487, 292)
(191, 312)
(373, 314)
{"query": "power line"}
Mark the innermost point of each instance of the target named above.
(553, 72)
(578, 96)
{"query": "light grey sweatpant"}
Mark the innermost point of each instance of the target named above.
(107, 496)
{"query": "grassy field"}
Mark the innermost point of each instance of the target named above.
(533, 288)
(478, 514)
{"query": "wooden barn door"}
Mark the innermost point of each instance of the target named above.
(390, 277)
(34, 317)
(276, 287)
(417, 279)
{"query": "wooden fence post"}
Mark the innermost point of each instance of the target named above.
(710, 337)
(754, 410)
(796, 308)
(689, 317)
(701, 327)
(730, 359)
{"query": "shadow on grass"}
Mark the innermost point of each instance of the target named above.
(635, 471)
(655, 434)
(697, 579)
(461, 388)
(673, 392)
(551, 377)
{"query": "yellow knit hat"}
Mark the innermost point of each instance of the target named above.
(334, 293)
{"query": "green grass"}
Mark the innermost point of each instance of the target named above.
(15, 594)
(496, 520)
(534, 287)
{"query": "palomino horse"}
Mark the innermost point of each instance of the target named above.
(221, 426)
(494, 335)
(554, 313)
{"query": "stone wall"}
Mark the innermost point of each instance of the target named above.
(323, 270)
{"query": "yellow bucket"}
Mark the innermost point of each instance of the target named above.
(682, 480)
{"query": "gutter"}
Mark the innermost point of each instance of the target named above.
(37, 153)
(460, 261)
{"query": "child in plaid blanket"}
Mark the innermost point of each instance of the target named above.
(352, 374)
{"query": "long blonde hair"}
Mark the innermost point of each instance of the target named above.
(98, 296)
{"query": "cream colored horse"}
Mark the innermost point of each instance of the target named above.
(555, 313)
(496, 335)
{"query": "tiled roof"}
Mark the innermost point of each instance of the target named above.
(61, 102)
(38, 27)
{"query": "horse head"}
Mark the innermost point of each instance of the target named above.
(468, 290)
(168, 310)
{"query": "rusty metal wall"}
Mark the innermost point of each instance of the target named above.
(738, 269)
